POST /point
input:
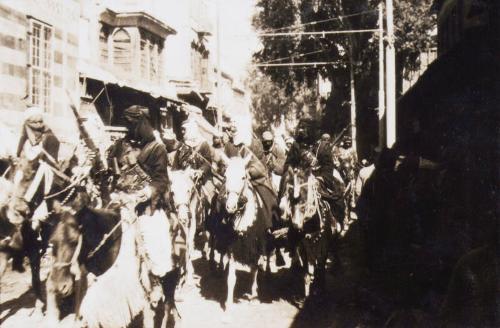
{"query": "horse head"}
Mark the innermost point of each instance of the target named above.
(236, 182)
(183, 184)
(18, 207)
(301, 195)
(66, 243)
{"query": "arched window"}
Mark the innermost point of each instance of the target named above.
(122, 50)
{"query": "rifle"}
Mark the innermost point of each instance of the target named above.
(99, 162)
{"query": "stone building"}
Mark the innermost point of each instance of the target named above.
(39, 43)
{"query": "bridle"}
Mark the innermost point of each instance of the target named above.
(238, 215)
(312, 204)
(74, 268)
(73, 263)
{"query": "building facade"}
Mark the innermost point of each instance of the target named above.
(38, 56)
(105, 55)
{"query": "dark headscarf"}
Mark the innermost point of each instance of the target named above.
(139, 127)
(306, 131)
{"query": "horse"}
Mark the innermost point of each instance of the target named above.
(242, 229)
(26, 221)
(142, 262)
(189, 212)
(109, 245)
(311, 224)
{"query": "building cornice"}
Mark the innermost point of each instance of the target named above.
(136, 19)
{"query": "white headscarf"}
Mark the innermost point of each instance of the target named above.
(192, 136)
(32, 113)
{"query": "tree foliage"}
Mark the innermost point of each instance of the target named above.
(413, 27)
(270, 102)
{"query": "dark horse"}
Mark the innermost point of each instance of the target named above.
(88, 240)
(20, 235)
(312, 224)
(77, 250)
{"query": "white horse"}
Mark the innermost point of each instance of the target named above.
(189, 211)
(247, 244)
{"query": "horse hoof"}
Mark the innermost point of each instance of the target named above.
(251, 297)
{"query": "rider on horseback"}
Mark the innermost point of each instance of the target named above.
(245, 145)
(36, 138)
(304, 154)
(141, 161)
(152, 157)
(37, 143)
(274, 157)
(195, 152)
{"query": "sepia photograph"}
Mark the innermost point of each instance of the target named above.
(249, 163)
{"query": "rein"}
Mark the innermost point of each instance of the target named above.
(104, 239)
(312, 204)
(73, 263)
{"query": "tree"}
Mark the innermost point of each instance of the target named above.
(414, 25)
(270, 101)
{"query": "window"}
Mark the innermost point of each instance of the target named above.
(199, 64)
(144, 58)
(122, 50)
(153, 61)
(40, 64)
(151, 48)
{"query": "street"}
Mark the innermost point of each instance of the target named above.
(279, 304)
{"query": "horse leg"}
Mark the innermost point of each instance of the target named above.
(308, 278)
(148, 314)
(231, 281)
(35, 259)
(206, 245)
(268, 263)
(211, 257)
(4, 260)
(189, 255)
(52, 310)
(254, 270)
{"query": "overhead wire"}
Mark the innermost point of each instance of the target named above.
(294, 56)
(317, 22)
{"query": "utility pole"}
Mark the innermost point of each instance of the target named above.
(353, 104)
(219, 70)
(381, 78)
(391, 78)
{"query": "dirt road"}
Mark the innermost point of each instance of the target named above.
(344, 304)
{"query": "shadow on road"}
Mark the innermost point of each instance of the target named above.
(24, 301)
(282, 285)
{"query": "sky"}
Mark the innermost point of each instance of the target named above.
(238, 38)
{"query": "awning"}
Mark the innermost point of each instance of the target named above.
(95, 72)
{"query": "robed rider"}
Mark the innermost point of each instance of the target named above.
(152, 155)
(305, 153)
(274, 157)
(244, 144)
(37, 139)
(37, 142)
(194, 152)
